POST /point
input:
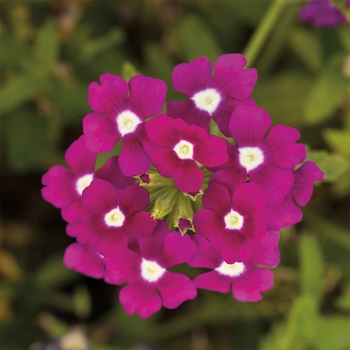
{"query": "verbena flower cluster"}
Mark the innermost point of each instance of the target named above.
(177, 194)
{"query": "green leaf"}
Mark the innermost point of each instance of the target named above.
(344, 37)
(329, 91)
(338, 140)
(311, 266)
(16, 91)
(307, 45)
(111, 39)
(82, 302)
(129, 70)
(196, 39)
(46, 48)
(333, 165)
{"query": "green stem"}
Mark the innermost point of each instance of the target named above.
(263, 31)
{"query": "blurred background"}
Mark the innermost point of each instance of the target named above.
(50, 52)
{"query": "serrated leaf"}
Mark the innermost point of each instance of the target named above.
(129, 70)
(17, 91)
(46, 48)
(311, 266)
(333, 165)
(338, 140)
(196, 39)
(307, 45)
(328, 92)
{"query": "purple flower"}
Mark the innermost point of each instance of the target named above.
(212, 97)
(63, 188)
(150, 284)
(111, 215)
(119, 114)
(267, 160)
(85, 259)
(232, 222)
(288, 212)
(322, 13)
(180, 147)
(247, 280)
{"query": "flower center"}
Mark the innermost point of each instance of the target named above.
(207, 100)
(233, 220)
(184, 150)
(232, 270)
(115, 218)
(127, 122)
(151, 271)
(83, 182)
(250, 157)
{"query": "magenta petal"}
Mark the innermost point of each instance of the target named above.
(206, 255)
(140, 223)
(177, 249)
(166, 161)
(112, 88)
(267, 254)
(189, 78)
(230, 77)
(217, 198)
(147, 95)
(208, 223)
(123, 267)
(84, 259)
(87, 227)
(274, 181)
(175, 288)
(213, 281)
(134, 199)
(282, 215)
(133, 159)
(211, 152)
(188, 177)
(140, 297)
(191, 133)
(73, 210)
(248, 199)
(111, 240)
(304, 177)
(235, 247)
(249, 124)
(254, 227)
(162, 131)
(188, 112)
(100, 196)
(111, 172)
(80, 158)
(101, 133)
(288, 157)
(231, 177)
(249, 286)
(59, 190)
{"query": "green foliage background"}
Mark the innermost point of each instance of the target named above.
(51, 51)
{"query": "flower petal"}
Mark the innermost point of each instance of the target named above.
(101, 133)
(211, 152)
(147, 95)
(140, 223)
(248, 199)
(188, 78)
(208, 223)
(217, 198)
(188, 177)
(206, 255)
(166, 161)
(235, 247)
(175, 288)
(140, 297)
(111, 240)
(213, 281)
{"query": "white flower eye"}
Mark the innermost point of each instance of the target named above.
(115, 218)
(151, 271)
(232, 270)
(83, 182)
(127, 122)
(250, 157)
(184, 149)
(207, 100)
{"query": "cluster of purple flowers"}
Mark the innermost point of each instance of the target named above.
(258, 179)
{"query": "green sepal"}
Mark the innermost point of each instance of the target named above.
(169, 203)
